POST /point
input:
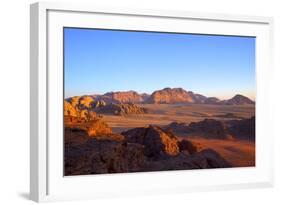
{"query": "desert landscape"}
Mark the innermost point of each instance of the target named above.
(141, 101)
(169, 129)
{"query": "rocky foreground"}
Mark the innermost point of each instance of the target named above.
(92, 148)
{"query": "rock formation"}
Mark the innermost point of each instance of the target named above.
(75, 109)
(187, 146)
(157, 143)
(103, 156)
(172, 95)
(94, 127)
(91, 148)
(212, 100)
(164, 96)
(243, 129)
(238, 100)
(209, 128)
(121, 109)
(123, 97)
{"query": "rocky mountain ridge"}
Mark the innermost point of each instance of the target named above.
(164, 96)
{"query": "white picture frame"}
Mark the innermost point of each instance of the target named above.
(47, 182)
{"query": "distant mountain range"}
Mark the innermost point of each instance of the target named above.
(167, 96)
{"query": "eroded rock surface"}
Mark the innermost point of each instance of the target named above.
(103, 156)
(156, 141)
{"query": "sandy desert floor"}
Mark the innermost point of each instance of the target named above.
(239, 153)
(163, 114)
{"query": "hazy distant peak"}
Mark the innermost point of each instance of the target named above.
(239, 99)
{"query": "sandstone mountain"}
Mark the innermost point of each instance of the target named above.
(123, 97)
(164, 96)
(238, 100)
(212, 100)
(173, 95)
(179, 95)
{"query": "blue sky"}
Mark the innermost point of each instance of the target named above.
(99, 61)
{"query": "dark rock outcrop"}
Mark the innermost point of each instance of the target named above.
(208, 158)
(243, 129)
(187, 146)
(205, 159)
(208, 128)
(216, 129)
(75, 136)
(179, 128)
(103, 156)
(157, 143)
(140, 149)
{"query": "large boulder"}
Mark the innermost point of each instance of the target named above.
(156, 141)
(187, 146)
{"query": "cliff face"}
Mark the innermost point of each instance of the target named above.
(155, 140)
(172, 95)
(121, 109)
(124, 97)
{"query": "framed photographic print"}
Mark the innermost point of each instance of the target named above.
(131, 101)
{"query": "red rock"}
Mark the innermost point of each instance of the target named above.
(186, 145)
(155, 140)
